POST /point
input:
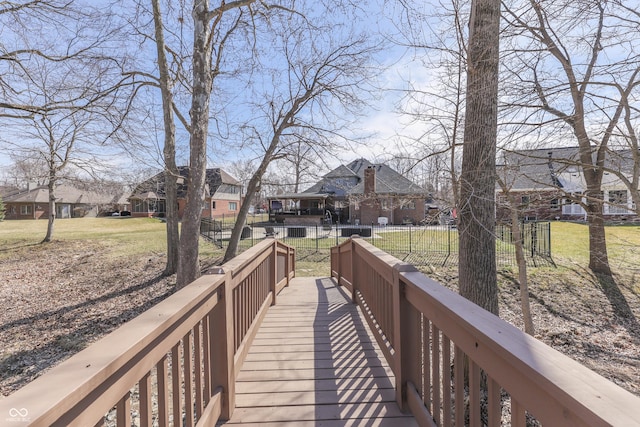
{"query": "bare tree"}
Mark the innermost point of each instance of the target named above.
(169, 148)
(578, 60)
(29, 170)
(322, 73)
(80, 114)
(477, 265)
(212, 29)
(437, 106)
(302, 155)
(505, 185)
(63, 92)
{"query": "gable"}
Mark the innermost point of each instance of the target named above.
(216, 180)
(349, 179)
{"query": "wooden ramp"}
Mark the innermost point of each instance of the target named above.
(313, 363)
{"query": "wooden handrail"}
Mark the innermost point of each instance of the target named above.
(183, 354)
(457, 364)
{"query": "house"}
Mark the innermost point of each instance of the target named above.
(71, 202)
(359, 192)
(548, 183)
(223, 195)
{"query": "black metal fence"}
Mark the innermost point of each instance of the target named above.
(418, 245)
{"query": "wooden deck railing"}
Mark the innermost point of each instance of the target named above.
(175, 364)
(457, 364)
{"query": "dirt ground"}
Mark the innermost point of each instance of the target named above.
(594, 321)
(59, 298)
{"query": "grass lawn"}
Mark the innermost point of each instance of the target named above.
(107, 270)
(126, 236)
(570, 244)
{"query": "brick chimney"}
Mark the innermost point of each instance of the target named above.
(370, 180)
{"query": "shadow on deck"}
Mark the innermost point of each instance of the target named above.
(314, 362)
(254, 345)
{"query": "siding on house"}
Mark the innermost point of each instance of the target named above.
(71, 202)
(362, 192)
(223, 195)
(548, 184)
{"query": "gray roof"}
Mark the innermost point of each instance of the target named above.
(349, 179)
(64, 194)
(154, 188)
(8, 190)
(546, 168)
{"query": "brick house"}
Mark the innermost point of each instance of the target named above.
(548, 184)
(71, 202)
(223, 195)
(358, 192)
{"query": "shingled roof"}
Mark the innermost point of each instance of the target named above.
(557, 167)
(64, 194)
(349, 179)
(154, 187)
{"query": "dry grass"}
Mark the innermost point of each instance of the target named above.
(98, 273)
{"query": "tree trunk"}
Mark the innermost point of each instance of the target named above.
(52, 210)
(188, 263)
(477, 265)
(171, 170)
(252, 186)
(522, 269)
(598, 255)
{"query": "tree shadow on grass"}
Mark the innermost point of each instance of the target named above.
(89, 302)
(11, 248)
(18, 369)
(621, 308)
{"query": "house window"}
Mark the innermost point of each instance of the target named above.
(384, 204)
(25, 210)
(554, 204)
(572, 207)
(524, 200)
(618, 202)
(409, 205)
(213, 205)
(233, 206)
(138, 206)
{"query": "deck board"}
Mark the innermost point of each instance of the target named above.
(313, 362)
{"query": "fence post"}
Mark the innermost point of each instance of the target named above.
(317, 238)
(410, 242)
(222, 349)
(534, 235)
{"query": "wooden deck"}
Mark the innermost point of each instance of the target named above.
(313, 362)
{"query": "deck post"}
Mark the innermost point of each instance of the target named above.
(287, 267)
(273, 280)
(223, 348)
(405, 330)
(354, 270)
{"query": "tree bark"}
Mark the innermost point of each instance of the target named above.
(169, 151)
(52, 210)
(252, 186)
(477, 264)
(598, 254)
(522, 269)
(188, 262)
